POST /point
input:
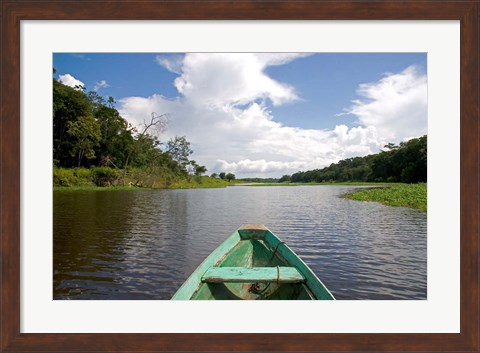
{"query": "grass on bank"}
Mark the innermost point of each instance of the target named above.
(200, 182)
(100, 178)
(397, 195)
(96, 188)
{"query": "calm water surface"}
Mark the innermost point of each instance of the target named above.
(144, 244)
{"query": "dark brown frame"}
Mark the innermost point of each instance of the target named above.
(14, 11)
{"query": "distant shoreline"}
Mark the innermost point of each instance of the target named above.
(344, 183)
(390, 194)
(208, 183)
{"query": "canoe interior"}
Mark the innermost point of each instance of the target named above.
(252, 253)
(253, 264)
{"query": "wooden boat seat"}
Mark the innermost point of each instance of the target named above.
(252, 275)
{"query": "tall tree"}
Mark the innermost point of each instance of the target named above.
(150, 130)
(200, 170)
(179, 149)
(85, 134)
(116, 139)
(68, 105)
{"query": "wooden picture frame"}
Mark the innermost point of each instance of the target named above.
(13, 12)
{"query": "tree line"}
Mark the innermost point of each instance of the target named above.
(89, 132)
(405, 162)
(224, 176)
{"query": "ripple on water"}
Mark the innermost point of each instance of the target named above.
(143, 245)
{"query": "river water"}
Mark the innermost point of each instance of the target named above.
(144, 244)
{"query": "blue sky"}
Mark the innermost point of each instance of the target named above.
(313, 109)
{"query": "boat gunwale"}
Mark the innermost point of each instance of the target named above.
(313, 283)
(193, 283)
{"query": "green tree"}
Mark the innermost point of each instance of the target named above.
(116, 139)
(145, 141)
(230, 177)
(111, 102)
(68, 105)
(179, 149)
(214, 175)
(85, 134)
(222, 175)
(96, 100)
(406, 162)
(200, 169)
(390, 147)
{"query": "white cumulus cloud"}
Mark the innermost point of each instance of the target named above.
(222, 108)
(171, 63)
(69, 80)
(396, 105)
(226, 79)
(100, 84)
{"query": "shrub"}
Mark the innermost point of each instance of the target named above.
(104, 176)
(64, 177)
(83, 174)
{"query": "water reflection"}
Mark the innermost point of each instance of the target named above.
(144, 244)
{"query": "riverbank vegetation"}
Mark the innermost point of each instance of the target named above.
(401, 168)
(398, 195)
(97, 178)
(405, 163)
(94, 146)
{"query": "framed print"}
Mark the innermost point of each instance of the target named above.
(38, 35)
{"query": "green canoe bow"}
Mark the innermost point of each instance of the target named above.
(252, 264)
